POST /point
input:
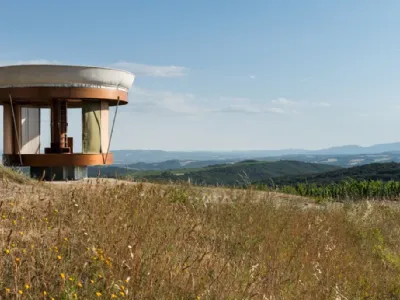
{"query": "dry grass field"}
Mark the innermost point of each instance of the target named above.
(101, 240)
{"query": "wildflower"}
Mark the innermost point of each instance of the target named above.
(15, 222)
(91, 281)
(62, 275)
(27, 286)
(20, 292)
(100, 276)
(66, 239)
(80, 284)
(21, 233)
(59, 257)
(75, 295)
(122, 287)
(7, 251)
(8, 291)
(98, 294)
(113, 296)
(56, 211)
(17, 259)
(4, 216)
(122, 294)
(70, 279)
(44, 293)
(24, 251)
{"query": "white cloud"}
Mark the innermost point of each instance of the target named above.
(237, 108)
(322, 104)
(275, 110)
(151, 70)
(283, 101)
(249, 109)
(144, 100)
(29, 62)
(151, 101)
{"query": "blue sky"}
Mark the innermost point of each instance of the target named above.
(224, 75)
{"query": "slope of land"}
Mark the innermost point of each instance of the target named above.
(241, 172)
(345, 161)
(375, 171)
(342, 160)
(143, 241)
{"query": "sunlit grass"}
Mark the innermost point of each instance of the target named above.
(103, 241)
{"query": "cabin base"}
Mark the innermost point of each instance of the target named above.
(59, 173)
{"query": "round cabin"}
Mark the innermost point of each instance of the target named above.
(26, 89)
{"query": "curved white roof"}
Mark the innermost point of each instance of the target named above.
(64, 76)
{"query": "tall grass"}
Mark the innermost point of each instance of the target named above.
(164, 242)
(13, 175)
(349, 189)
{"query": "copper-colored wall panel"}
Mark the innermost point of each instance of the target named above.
(59, 160)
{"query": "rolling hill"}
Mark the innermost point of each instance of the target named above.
(155, 156)
(242, 172)
(375, 171)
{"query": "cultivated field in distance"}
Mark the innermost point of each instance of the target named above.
(150, 241)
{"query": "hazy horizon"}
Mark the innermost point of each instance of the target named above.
(245, 150)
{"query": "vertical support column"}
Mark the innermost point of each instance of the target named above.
(63, 124)
(104, 126)
(55, 130)
(8, 129)
(59, 139)
(91, 137)
(17, 131)
(30, 130)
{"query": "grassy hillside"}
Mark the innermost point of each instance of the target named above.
(343, 160)
(376, 171)
(138, 241)
(243, 172)
(10, 175)
(143, 168)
